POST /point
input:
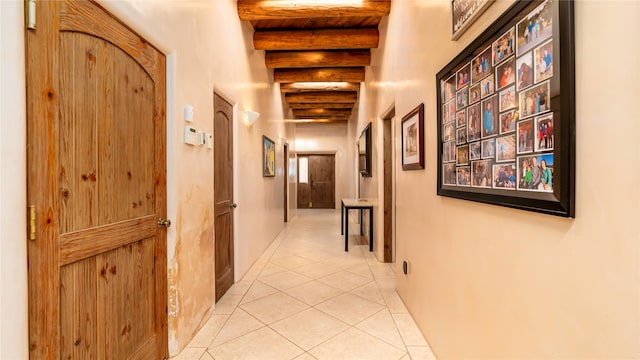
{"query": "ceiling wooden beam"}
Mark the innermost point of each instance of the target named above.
(270, 9)
(309, 86)
(323, 121)
(314, 113)
(327, 39)
(352, 74)
(295, 106)
(322, 97)
(295, 59)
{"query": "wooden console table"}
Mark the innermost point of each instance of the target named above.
(359, 204)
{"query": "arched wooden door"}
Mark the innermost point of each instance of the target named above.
(97, 182)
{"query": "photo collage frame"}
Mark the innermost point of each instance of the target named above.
(506, 113)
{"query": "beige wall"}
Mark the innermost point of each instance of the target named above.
(207, 49)
(536, 286)
(330, 138)
(13, 182)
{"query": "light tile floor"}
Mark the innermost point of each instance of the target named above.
(306, 298)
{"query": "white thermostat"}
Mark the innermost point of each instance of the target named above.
(190, 135)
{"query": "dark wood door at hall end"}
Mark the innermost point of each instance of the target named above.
(316, 181)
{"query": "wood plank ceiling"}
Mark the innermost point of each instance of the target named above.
(318, 50)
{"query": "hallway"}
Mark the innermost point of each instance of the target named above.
(305, 298)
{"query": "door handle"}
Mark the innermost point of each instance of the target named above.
(165, 223)
(233, 205)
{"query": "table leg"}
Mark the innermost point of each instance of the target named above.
(371, 229)
(346, 231)
(361, 224)
(342, 219)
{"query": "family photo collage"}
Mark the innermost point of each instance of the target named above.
(497, 123)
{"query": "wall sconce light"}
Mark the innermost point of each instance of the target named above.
(250, 117)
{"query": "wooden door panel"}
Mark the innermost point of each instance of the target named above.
(322, 183)
(223, 192)
(96, 176)
(105, 303)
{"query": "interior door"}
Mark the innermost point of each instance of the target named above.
(316, 181)
(97, 182)
(322, 181)
(223, 192)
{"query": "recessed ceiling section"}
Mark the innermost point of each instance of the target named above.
(318, 49)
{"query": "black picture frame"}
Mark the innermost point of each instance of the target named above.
(268, 157)
(535, 24)
(364, 152)
(413, 139)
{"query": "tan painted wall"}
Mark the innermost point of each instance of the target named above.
(13, 182)
(207, 48)
(536, 286)
(330, 138)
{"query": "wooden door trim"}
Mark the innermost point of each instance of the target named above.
(82, 13)
(72, 248)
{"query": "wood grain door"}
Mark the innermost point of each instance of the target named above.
(322, 181)
(318, 190)
(96, 179)
(223, 192)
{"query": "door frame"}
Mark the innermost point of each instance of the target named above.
(285, 162)
(389, 185)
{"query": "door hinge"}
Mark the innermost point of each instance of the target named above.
(32, 222)
(30, 13)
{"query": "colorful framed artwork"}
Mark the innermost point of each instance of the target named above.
(513, 146)
(268, 157)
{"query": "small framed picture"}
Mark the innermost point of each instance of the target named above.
(474, 93)
(448, 111)
(464, 176)
(449, 133)
(525, 136)
(488, 149)
(487, 86)
(475, 151)
(449, 174)
(449, 152)
(268, 157)
(543, 59)
(481, 173)
(461, 118)
(449, 88)
(481, 66)
(544, 132)
(474, 128)
(534, 100)
(508, 121)
(524, 76)
(461, 136)
(463, 155)
(506, 148)
(534, 28)
(413, 139)
(535, 172)
(490, 116)
(504, 46)
(462, 98)
(463, 76)
(504, 176)
(505, 73)
(508, 98)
